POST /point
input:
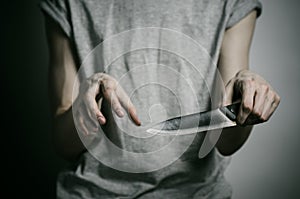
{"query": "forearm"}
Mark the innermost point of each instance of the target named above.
(65, 137)
(234, 57)
(62, 76)
(232, 139)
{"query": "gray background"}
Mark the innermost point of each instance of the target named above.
(268, 164)
(266, 167)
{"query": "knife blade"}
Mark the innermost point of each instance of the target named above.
(198, 122)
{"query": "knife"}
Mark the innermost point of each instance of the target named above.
(198, 122)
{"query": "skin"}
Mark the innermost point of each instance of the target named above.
(258, 99)
(62, 77)
(105, 86)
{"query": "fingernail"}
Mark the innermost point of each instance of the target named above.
(139, 123)
(101, 120)
(120, 113)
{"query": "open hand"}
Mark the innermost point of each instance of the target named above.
(95, 88)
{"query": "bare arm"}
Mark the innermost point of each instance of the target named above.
(62, 75)
(259, 100)
(87, 111)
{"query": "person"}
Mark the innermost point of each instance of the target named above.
(74, 28)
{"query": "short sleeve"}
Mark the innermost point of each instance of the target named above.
(57, 10)
(242, 8)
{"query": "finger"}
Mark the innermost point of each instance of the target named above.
(128, 105)
(228, 93)
(110, 95)
(93, 92)
(133, 115)
(99, 115)
(99, 103)
(95, 81)
(247, 91)
(272, 102)
(93, 111)
(260, 101)
(116, 105)
(101, 118)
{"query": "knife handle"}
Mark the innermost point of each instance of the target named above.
(231, 110)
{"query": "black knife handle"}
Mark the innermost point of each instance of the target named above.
(231, 110)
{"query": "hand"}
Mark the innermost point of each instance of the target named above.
(87, 112)
(258, 99)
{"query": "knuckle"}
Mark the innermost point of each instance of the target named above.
(277, 98)
(95, 78)
(264, 118)
(252, 83)
(246, 107)
(98, 75)
(264, 87)
(248, 83)
(107, 88)
(272, 96)
(115, 104)
(257, 112)
(117, 109)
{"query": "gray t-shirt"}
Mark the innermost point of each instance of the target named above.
(164, 54)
